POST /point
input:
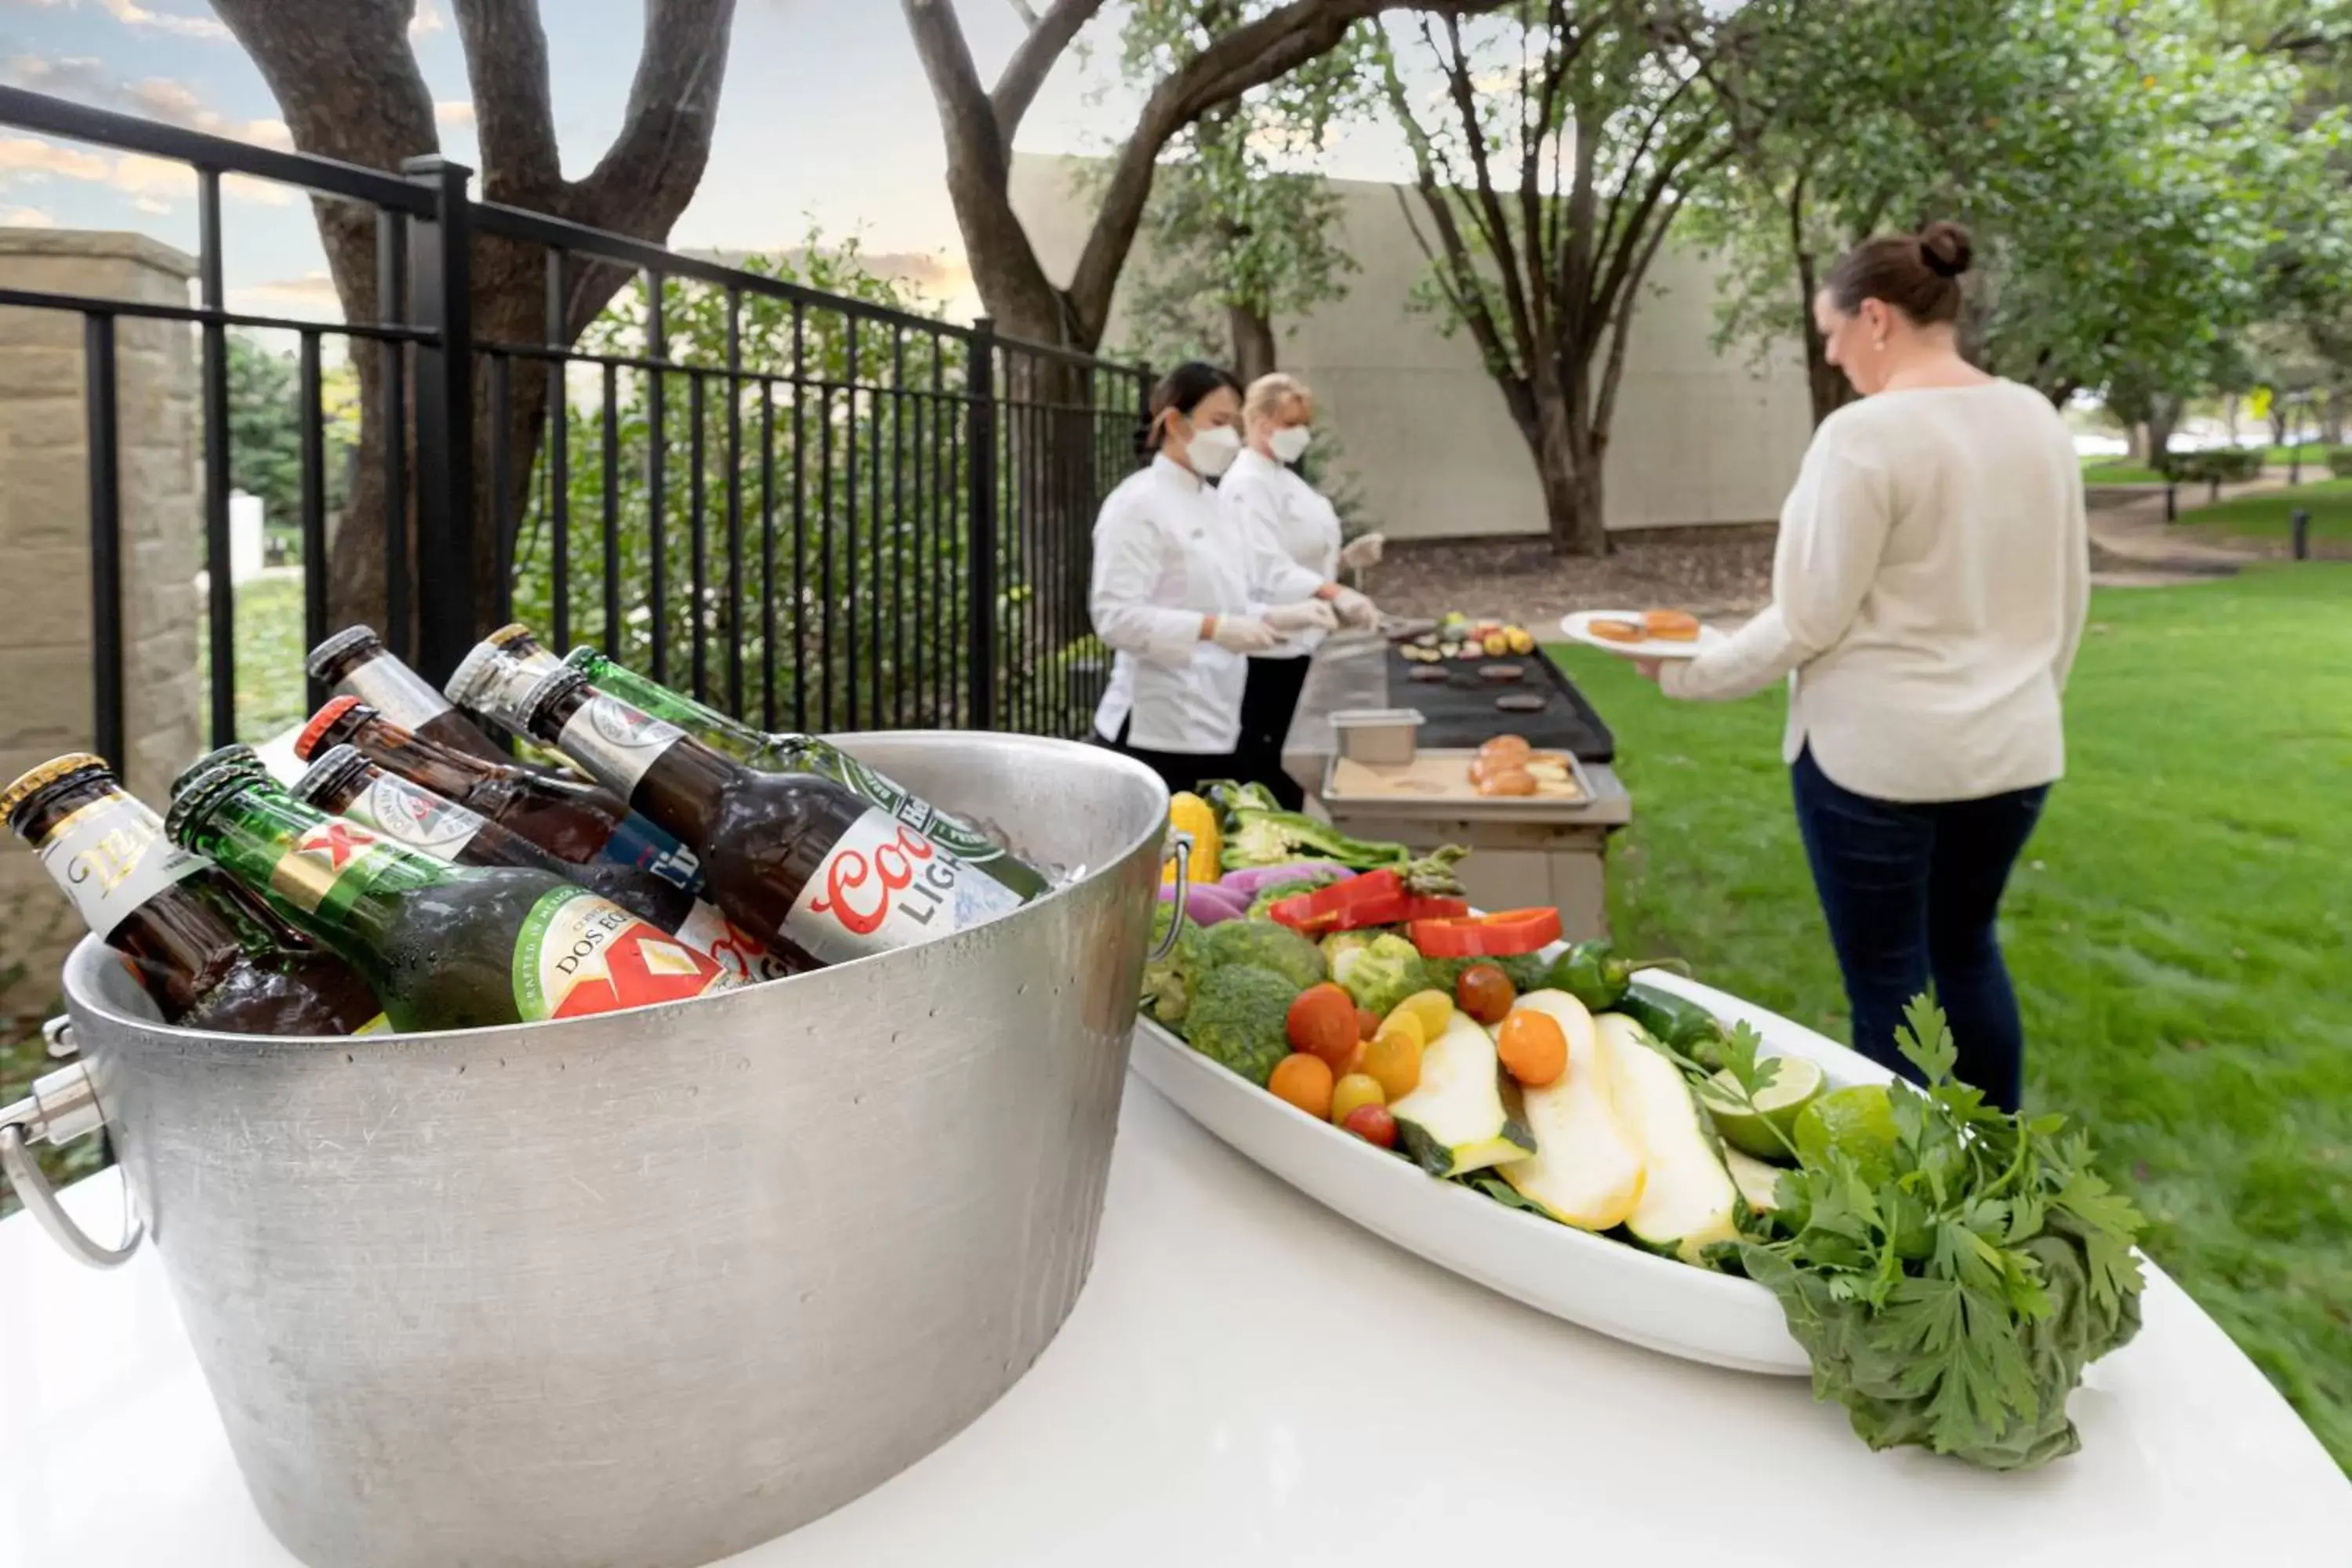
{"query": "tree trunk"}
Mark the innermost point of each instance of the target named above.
(1824, 381)
(1568, 469)
(2163, 419)
(1254, 347)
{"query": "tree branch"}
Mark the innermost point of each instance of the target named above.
(506, 67)
(1034, 61)
(647, 177)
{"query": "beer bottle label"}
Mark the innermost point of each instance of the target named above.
(739, 952)
(577, 954)
(394, 690)
(913, 810)
(406, 815)
(112, 856)
(325, 868)
(641, 842)
(379, 1025)
(616, 742)
(884, 886)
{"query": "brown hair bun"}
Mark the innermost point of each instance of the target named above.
(1945, 248)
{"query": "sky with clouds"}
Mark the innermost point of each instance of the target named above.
(826, 117)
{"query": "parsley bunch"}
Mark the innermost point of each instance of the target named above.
(1955, 1302)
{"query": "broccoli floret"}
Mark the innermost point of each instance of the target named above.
(1383, 973)
(1167, 984)
(1238, 1019)
(1263, 943)
(1525, 971)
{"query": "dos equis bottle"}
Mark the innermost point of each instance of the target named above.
(211, 956)
(756, 748)
(446, 947)
(343, 782)
(813, 869)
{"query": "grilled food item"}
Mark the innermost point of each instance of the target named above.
(1670, 625)
(1616, 631)
(1507, 780)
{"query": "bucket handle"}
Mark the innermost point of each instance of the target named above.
(1179, 849)
(62, 1107)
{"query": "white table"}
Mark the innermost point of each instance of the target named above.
(1249, 1379)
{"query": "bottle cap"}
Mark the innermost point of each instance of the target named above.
(194, 805)
(235, 755)
(545, 690)
(326, 660)
(329, 774)
(56, 770)
(468, 683)
(324, 720)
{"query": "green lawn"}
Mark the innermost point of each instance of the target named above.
(2117, 470)
(2182, 933)
(2266, 516)
(270, 690)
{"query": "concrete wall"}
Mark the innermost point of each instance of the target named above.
(1699, 437)
(46, 699)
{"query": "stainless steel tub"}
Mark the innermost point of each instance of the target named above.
(644, 1290)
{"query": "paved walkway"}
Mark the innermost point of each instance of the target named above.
(2133, 547)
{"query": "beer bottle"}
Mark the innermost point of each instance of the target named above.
(577, 822)
(737, 741)
(355, 663)
(343, 782)
(210, 955)
(446, 947)
(797, 859)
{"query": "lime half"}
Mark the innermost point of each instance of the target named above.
(1858, 1121)
(1751, 1128)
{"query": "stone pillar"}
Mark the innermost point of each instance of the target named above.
(47, 696)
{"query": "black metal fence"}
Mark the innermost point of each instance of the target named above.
(817, 511)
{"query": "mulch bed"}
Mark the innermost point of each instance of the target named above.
(1712, 572)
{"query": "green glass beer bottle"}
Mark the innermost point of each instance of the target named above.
(755, 749)
(446, 947)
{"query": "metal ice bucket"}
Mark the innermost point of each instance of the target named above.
(642, 1290)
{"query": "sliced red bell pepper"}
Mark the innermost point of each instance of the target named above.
(1499, 935)
(1374, 898)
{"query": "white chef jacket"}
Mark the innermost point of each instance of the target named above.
(1167, 552)
(1295, 519)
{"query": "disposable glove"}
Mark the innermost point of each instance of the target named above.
(1307, 614)
(1244, 634)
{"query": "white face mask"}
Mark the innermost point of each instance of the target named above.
(1290, 442)
(1213, 451)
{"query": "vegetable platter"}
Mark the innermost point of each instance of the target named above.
(1630, 1150)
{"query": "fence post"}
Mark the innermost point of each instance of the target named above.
(441, 283)
(980, 441)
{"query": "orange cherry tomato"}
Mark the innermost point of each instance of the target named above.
(1485, 993)
(1532, 1046)
(1306, 1082)
(1373, 1124)
(1393, 1060)
(1322, 1022)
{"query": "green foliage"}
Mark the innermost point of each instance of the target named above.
(265, 431)
(1239, 220)
(2339, 462)
(854, 538)
(2213, 466)
(2131, 172)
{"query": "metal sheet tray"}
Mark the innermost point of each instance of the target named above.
(1455, 803)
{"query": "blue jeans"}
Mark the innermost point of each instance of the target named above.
(1911, 893)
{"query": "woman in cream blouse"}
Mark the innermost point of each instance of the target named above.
(1928, 592)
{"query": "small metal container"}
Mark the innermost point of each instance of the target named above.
(1377, 736)
(642, 1289)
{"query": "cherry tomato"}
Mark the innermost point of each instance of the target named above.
(1485, 993)
(1393, 1059)
(1305, 1081)
(1322, 1022)
(1532, 1047)
(1353, 1061)
(1367, 1023)
(1352, 1093)
(1434, 1009)
(1373, 1124)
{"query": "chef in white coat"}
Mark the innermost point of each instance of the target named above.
(1264, 491)
(1183, 593)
